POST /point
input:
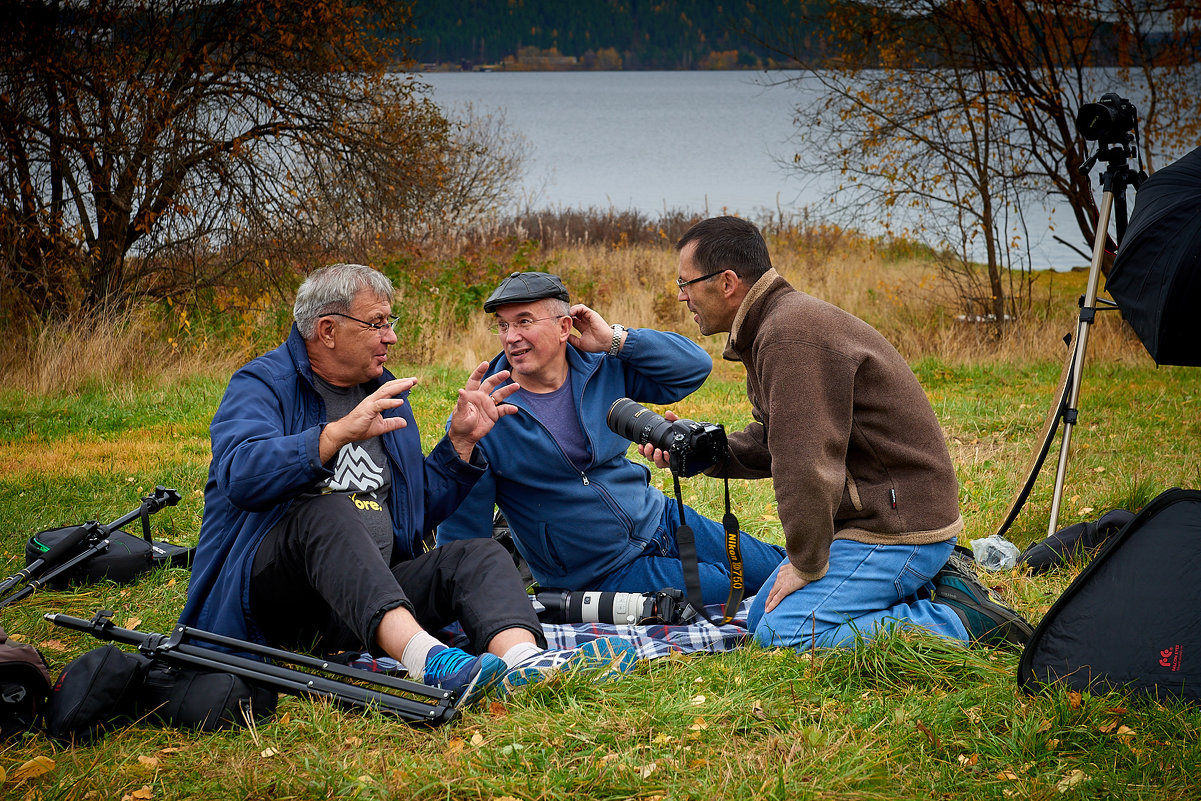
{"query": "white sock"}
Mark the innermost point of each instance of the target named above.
(521, 652)
(416, 652)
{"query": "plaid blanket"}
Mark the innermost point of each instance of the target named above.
(651, 642)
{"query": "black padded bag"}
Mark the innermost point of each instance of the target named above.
(1076, 542)
(24, 686)
(125, 558)
(203, 699)
(94, 692)
(1131, 620)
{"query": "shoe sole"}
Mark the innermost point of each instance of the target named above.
(490, 674)
(612, 655)
(611, 658)
(1009, 626)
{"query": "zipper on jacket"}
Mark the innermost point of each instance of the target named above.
(584, 476)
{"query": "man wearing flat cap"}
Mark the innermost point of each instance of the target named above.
(583, 515)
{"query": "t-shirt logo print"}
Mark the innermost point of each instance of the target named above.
(356, 471)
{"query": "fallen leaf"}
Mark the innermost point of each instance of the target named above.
(647, 770)
(1007, 776)
(132, 623)
(52, 645)
(1052, 744)
(1044, 726)
(1070, 781)
(757, 711)
(497, 709)
(967, 760)
(1125, 731)
(1106, 728)
(267, 753)
(353, 741)
(698, 724)
(35, 767)
(512, 748)
(148, 761)
(697, 700)
(662, 739)
(286, 719)
(455, 745)
(1075, 699)
(477, 739)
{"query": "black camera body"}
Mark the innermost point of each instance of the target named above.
(1107, 120)
(693, 446)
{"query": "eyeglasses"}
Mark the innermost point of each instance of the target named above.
(522, 325)
(388, 322)
(681, 283)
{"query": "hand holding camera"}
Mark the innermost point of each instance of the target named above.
(685, 446)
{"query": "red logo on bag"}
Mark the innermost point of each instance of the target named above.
(1170, 658)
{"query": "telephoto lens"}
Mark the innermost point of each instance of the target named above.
(625, 608)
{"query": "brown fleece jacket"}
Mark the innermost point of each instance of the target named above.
(843, 429)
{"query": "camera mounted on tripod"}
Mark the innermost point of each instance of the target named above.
(1110, 119)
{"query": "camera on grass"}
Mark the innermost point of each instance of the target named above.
(693, 446)
(1107, 120)
(623, 608)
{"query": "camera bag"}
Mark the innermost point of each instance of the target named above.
(24, 686)
(1131, 621)
(94, 692)
(1079, 540)
(125, 558)
(107, 687)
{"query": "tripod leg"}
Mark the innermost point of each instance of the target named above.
(1050, 425)
(1087, 312)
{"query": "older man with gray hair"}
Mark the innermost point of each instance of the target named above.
(319, 500)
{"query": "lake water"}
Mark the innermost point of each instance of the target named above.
(705, 142)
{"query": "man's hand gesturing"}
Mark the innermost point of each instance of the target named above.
(479, 406)
(367, 419)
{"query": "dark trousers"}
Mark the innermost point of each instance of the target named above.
(319, 583)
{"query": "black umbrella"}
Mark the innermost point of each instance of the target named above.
(1156, 277)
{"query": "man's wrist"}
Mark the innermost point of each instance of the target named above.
(619, 338)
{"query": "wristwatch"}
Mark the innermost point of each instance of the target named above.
(615, 348)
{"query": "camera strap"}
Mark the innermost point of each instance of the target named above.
(686, 542)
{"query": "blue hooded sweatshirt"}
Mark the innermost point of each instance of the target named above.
(265, 454)
(575, 527)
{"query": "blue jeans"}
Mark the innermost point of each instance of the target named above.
(658, 566)
(868, 587)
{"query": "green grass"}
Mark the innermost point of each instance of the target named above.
(904, 717)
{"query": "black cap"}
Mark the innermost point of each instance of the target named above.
(526, 288)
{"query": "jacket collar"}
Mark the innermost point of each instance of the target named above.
(750, 313)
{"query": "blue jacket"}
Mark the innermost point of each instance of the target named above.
(574, 527)
(265, 453)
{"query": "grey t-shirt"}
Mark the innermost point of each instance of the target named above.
(556, 411)
(360, 468)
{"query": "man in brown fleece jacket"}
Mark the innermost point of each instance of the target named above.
(864, 485)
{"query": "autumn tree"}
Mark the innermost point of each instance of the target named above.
(154, 146)
(964, 111)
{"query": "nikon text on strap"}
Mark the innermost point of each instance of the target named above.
(686, 542)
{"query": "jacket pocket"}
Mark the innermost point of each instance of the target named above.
(853, 494)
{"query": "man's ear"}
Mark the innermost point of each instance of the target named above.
(731, 284)
(325, 331)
